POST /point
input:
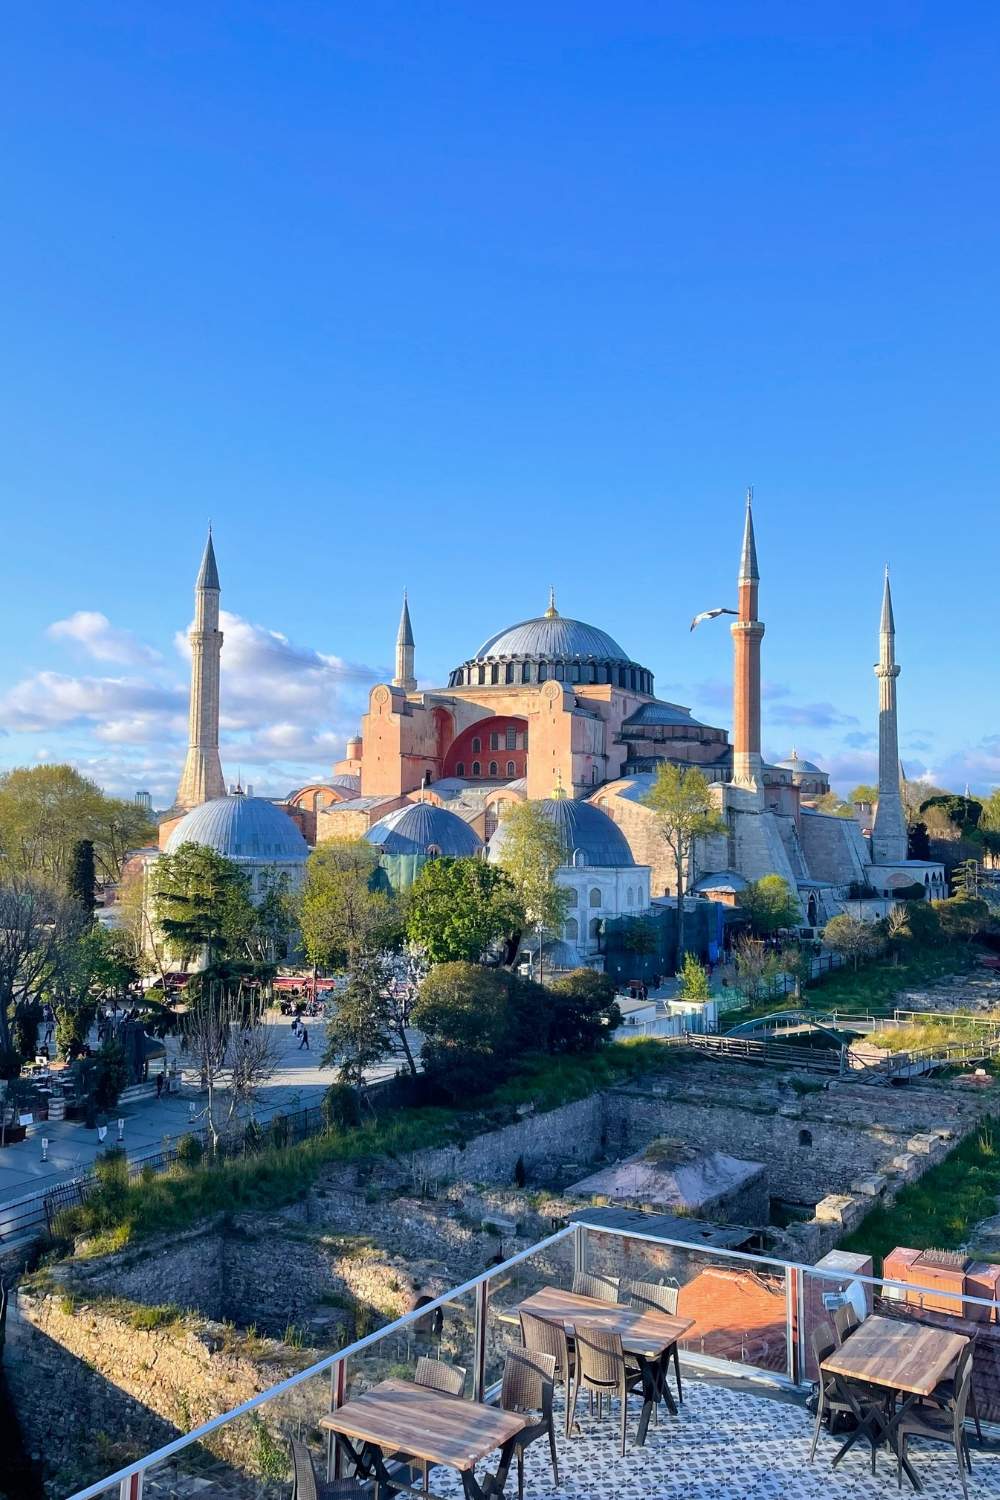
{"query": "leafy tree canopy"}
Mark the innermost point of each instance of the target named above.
(530, 853)
(582, 1011)
(693, 979)
(462, 909)
(202, 901)
(865, 792)
(46, 810)
(681, 802)
(343, 908)
(770, 904)
(81, 883)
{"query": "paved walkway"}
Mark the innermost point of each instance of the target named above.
(298, 1082)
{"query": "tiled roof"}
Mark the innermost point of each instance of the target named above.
(738, 1316)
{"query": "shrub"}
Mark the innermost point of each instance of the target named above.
(582, 1011)
(341, 1107)
(190, 1150)
(693, 979)
(109, 1075)
(147, 1318)
(279, 1131)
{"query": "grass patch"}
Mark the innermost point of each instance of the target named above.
(877, 986)
(939, 1211)
(930, 1034)
(147, 1318)
(548, 1082)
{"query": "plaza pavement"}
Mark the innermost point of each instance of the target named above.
(299, 1081)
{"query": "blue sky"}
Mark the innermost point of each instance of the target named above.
(473, 299)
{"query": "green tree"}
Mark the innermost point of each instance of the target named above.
(855, 939)
(464, 1012)
(531, 852)
(863, 793)
(693, 978)
(582, 1011)
(81, 883)
(369, 1021)
(46, 810)
(990, 819)
(33, 919)
(202, 902)
(962, 918)
(681, 802)
(770, 904)
(342, 911)
(462, 910)
(923, 924)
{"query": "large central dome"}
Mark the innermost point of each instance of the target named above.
(554, 637)
(552, 646)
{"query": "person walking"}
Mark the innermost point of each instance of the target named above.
(296, 1024)
(303, 1037)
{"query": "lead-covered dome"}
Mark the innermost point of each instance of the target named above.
(589, 837)
(247, 830)
(550, 646)
(424, 828)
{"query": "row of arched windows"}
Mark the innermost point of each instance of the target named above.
(477, 769)
(481, 673)
(571, 929)
(513, 740)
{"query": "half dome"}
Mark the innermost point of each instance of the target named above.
(589, 837)
(424, 828)
(243, 829)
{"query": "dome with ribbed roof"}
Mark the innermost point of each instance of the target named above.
(424, 828)
(589, 837)
(796, 763)
(552, 646)
(247, 830)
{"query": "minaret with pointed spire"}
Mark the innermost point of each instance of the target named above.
(404, 677)
(202, 778)
(889, 828)
(747, 631)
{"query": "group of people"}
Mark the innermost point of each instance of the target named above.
(301, 1031)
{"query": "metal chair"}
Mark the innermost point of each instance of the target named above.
(438, 1376)
(829, 1402)
(845, 1320)
(601, 1371)
(603, 1288)
(305, 1485)
(544, 1337)
(944, 1425)
(652, 1294)
(528, 1386)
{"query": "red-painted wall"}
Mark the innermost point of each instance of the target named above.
(462, 755)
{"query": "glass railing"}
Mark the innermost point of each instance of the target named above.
(750, 1314)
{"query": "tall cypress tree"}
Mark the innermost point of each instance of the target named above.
(81, 882)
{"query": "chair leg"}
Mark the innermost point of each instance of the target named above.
(571, 1407)
(677, 1372)
(520, 1472)
(624, 1400)
(974, 1413)
(819, 1423)
(961, 1466)
(552, 1452)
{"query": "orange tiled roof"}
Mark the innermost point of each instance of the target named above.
(738, 1315)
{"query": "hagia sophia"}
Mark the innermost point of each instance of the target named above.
(554, 710)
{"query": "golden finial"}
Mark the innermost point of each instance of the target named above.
(559, 793)
(551, 612)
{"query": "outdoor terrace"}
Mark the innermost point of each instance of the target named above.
(741, 1432)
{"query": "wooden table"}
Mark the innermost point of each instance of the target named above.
(398, 1416)
(898, 1356)
(645, 1332)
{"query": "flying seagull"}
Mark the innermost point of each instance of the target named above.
(711, 614)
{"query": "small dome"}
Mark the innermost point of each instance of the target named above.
(589, 836)
(243, 829)
(421, 827)
(349, 783)
(722, 880)
(554, 638)
(796, 763)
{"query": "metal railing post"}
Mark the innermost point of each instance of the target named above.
(482, 1320)
(579, 1248)
(131, 1488)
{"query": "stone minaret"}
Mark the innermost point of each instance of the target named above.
(889, 828)
(747, 631)
(202, 777)
(404, 677)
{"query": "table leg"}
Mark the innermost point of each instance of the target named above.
(492, 1485)
(892, 1427)
(655, 1389)
(868, 1423)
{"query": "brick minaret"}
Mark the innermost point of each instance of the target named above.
(202, 777)
(404, 677)
(889, 829)
(747, 631)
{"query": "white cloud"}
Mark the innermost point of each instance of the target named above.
(54, 700)
(95, 634)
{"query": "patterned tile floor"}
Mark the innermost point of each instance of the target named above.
(729, 1445)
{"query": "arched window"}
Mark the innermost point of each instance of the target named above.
(572, 929)
(482, 675)
(475, 768)
(595, 928)
(621, 676)
(460, 768)
(495, 672)
(509, 672)
(434, 850)
(493, 768)
(511, 768)
(629, 897)
(560, 671)
(575, 671)
(526, 671)
(595, 896)
(805, 1138)
(543, 671)
(477, 745)
(572, 898)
